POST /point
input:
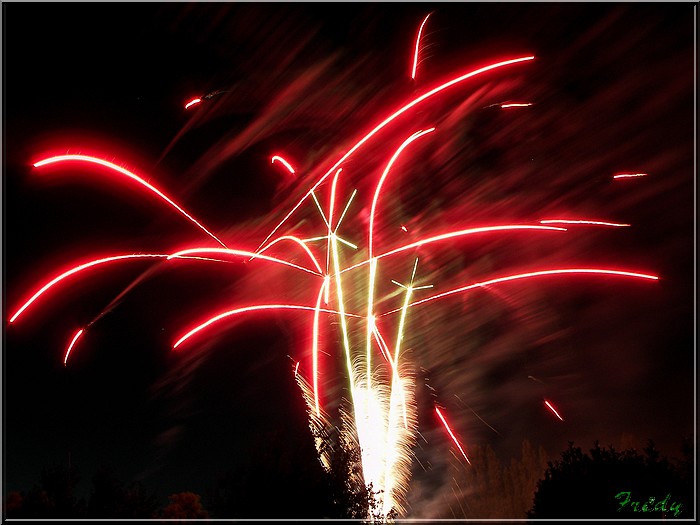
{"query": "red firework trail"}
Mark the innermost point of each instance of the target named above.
(193, 102)
(78, 269)
(454, 234)
(283, 162)
(391, 118)
(415, 53)
(130, 175)
(370, 244)
(579, 221)
(554, 410)
(449, 431)
(516, 105)
(254, 308)
(416, 135)
(297, 240)
(629, 175)
(71, 345)
(529, 275)
(183, 254)
(186, 254)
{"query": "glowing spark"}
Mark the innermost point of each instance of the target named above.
(326, 283)
(402, 320)
(595, 223)
(346, 243)
(629, 175)
(78, 269)
(331, 206)
(253, 308)
(342, 215)
(383, 346)
(449, 430)
(399, 336)
(415, 54)
(388, 120)
(283, 162)
(343, 321)
(132, 176)
(320, 210)
(314, 339)
(516, 105)
(404, 229)
(71, 345)
(554, 411)
(296, 369)
(337, 238)
(193, 102)
(477, 415)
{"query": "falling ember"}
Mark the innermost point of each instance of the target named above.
(283, 162)
(449, 431)
(415, 53)
(71, 345)
(193, 102)
(629, 175)
(516, 105)
(593, 223)
(554, 411)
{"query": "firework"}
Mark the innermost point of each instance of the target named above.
(352, 292)
(285, 163)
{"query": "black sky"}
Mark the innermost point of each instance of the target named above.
(615, 86)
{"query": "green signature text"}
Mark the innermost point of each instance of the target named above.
(650, 505)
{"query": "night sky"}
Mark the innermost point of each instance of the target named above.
(612, 88)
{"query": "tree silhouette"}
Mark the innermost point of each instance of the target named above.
(488, 489)
(279, 476)
(184, 505)
(606, 483)
(109, 498)
(106, 495)
(349, 497)
(52, 497)
(287, 481)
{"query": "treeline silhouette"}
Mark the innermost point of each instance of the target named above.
(279, 483)
(603, 483)
(607, 483)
